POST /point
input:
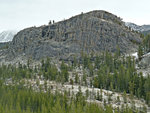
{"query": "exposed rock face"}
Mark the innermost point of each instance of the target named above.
(95, 31)
(144, 64)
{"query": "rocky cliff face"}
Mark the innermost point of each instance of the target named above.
(95, 31)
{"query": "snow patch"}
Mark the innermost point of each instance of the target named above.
(135, 55)
(7, 36)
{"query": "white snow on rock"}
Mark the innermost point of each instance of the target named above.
(147, 54)
(138, 27)
(135, 55)
(7, 36)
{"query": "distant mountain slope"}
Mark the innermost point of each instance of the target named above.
(7, 36)
(144, 28)
(92, 32)
(146, 32)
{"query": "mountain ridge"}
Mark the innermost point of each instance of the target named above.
(95, 31)
(7, 36)
(140, 28)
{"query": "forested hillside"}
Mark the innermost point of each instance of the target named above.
(110, 72)
(78, 65)
(145, 46)
(20, 100)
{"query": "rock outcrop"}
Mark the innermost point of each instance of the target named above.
(95, 31)
(144, 64)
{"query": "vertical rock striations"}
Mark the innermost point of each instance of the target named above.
(94, 31)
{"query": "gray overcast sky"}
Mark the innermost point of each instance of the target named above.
(19, 14)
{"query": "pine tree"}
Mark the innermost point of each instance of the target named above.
(140, 52)
(125, 97)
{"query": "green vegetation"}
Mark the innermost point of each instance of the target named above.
(146, 44)
(144, 47)
(106, 71)
(118, 74)
(20, 100)
(17, 99)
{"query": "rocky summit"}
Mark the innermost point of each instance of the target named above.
(92, 32)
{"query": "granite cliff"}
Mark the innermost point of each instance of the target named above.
(92, 32)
